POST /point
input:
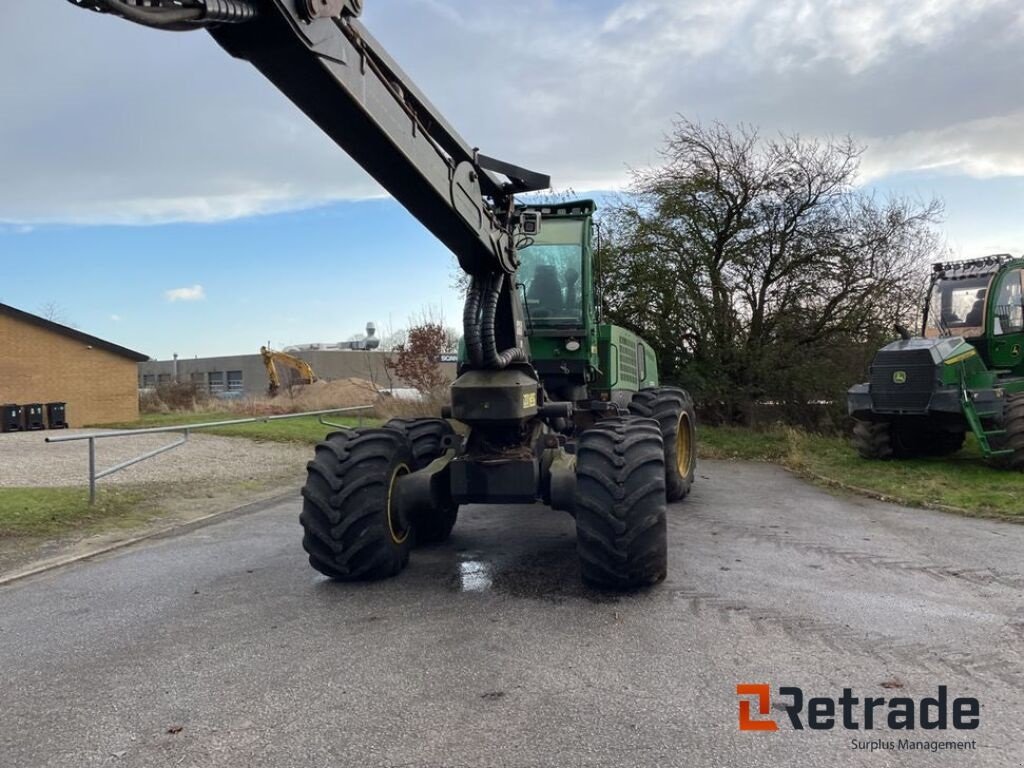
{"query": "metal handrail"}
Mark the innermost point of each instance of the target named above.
(186, 430)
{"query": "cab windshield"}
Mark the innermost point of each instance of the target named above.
(957, 307)
(550, 269)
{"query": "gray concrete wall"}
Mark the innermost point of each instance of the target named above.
(327, 364)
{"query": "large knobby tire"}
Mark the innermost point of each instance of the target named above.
(425, 437)
(621, 532)
(885, 440)
(1013, 423)
(352, 532)
(673, 409)
(873, 440)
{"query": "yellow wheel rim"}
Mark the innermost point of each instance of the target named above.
(398, 533)
(684, 445)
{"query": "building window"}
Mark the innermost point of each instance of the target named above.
(164, 378)
(216, 382)
(148, 380)
(235, 381)
(199, 380)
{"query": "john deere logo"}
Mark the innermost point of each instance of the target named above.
(899, 377)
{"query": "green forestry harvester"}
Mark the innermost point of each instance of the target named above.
(557, 406)
(965, 375)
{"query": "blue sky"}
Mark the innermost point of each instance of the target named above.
(309, 276)
(138, 162)
(980, 216)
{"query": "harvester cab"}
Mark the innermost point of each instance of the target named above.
(966, 374)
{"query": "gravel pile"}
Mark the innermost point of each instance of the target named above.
(26, 460)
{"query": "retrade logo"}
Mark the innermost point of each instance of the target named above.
(763, 696)
(852, 713)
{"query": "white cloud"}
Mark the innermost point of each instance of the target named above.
(115, 318)
(195, 293)
(858, 34)
(983, 149)
(927, 82)
(203, 209)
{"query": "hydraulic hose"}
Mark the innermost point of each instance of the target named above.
(175, 17)
(471, 324)
(489, 313)
(492, 358)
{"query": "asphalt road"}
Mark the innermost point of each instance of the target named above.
(221, 647)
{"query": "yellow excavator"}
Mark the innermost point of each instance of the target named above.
(303, 371)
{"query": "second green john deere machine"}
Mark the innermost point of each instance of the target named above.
(964, 374)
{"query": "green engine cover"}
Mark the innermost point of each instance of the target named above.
(626, 362)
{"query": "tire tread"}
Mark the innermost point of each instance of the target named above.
(343, 519)
(665, 405)
(620, 503)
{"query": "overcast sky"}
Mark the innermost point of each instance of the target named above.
(106, 123)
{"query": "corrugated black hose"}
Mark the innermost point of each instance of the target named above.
(174, 17)
(471, 324)
(492, 358)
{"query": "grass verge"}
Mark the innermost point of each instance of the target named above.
(963, 482)
(41, 523)
(307, 429)
(41, 512)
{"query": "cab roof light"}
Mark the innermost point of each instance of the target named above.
(983, 262)
(968, 268)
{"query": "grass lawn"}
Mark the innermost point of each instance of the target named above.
(307, 429)
(963, 481)
(40, 512)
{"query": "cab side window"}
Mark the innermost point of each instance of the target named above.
(1009, 304)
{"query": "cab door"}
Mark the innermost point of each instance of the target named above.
(1006, 319)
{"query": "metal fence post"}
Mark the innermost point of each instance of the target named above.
(186, 431)
(92, 471)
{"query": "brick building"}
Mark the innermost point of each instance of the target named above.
(42, 361)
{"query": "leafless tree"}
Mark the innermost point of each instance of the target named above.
(55, 313)
(757, 266)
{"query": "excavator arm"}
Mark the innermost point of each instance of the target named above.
(300, 366)
(321, 57)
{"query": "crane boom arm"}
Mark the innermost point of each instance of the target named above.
(321, 57)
